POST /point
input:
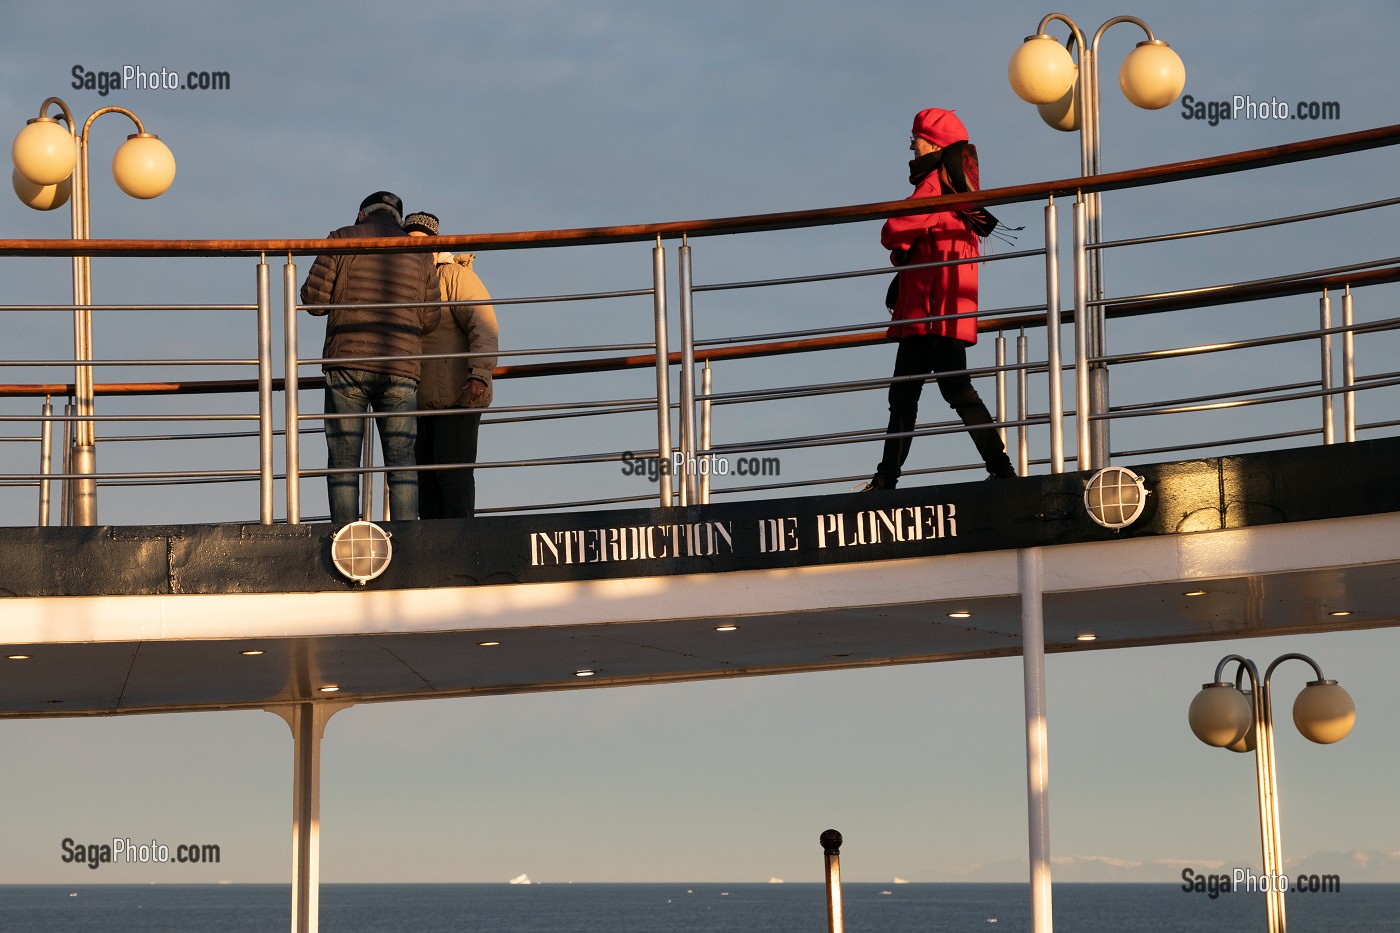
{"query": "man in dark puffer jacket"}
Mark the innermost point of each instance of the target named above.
(373, 353)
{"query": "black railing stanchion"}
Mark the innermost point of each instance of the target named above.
(831, 848)
(663, 374)
(292, 435)
(265, 432)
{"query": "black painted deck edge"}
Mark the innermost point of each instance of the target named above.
(1247, 490)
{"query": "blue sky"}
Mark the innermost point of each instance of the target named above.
(535, 115)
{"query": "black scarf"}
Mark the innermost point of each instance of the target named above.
(923, 166)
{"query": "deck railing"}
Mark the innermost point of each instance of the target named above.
(684, 389)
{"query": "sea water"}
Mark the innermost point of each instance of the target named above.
(680, 908)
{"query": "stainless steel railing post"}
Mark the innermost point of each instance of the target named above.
(1001, 385)
(663, 374)
(690, 490)
(367, 479)
(1348, 368)
(292, 435)
(1324, 308)
(66, 507)
(1052, 339)
(705, 433)
(831, 848)
(45, 460)
(265, 471)
(1023, 433)
(1082, 324)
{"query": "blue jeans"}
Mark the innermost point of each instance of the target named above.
(350, 391)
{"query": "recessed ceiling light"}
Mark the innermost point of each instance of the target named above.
(251, 652)
(1340, 613)
(726, 628)
(960, 614)
(1086, 636)
(17, 657)
(330, 688)
(583, 673)
(487, 644)
(1194, 593)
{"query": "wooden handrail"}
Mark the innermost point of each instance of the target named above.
(1159, 174)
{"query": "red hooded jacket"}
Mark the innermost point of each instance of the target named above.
(935, 237)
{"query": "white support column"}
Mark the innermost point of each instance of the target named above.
(1037, 738)
(308, 724)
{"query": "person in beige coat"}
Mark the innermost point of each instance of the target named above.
(449, 385)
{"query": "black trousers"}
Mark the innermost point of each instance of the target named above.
(932, 354)
(447, 439)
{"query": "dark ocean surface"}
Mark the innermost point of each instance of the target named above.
(680, 908)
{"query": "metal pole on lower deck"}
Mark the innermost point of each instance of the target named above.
(1037, 738)
(308, 724)
(831, 849)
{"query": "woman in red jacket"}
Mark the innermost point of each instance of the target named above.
(943, 162)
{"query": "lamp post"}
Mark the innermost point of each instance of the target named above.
(1224, 716)
(51, 166)
(1042, 72)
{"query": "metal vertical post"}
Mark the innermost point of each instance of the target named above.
(82, 493)
(66, 506)
(1023, 433)
(1324, 307)
(308, 724)
(265, 471)
(663, 374)
(831, 849)
(306, 818)
(1097, 375)
(1348, 369)
(1267, 776)
(1001, 385)
(1082, 325)
(367, 479)
(292, 434)
(45, 461)
(1052, 339)
(705, 433)
(1037, 737)
(690, 490)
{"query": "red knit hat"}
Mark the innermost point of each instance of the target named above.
(940, 127)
